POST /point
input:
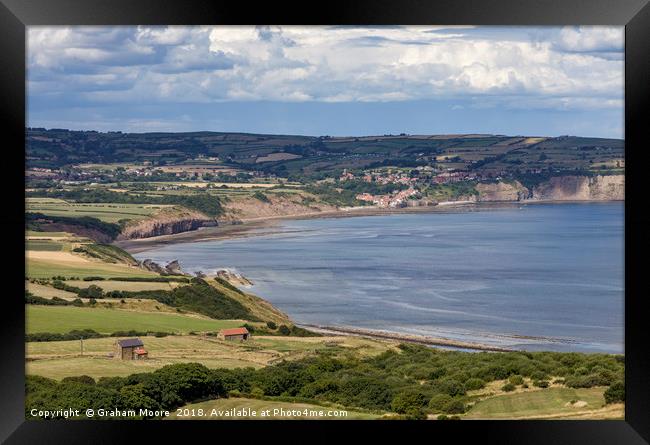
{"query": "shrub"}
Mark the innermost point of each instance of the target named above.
(408, 401)
(284, 330)
(415, 414)
(455, 406)
(540, 383)
(271, 325)
(474, 383)
(516, 379)
(508, 387)
(83, 379)
(615, 393)
(450, 386)
(439, 401)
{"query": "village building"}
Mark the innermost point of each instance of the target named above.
(234, 334)
(130, 349)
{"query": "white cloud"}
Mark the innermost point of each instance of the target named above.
(568, 67)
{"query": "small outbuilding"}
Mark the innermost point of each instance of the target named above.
(130, 349)
(234, 334)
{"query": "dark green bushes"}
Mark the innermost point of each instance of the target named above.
(166, 388)
(198, 297)
(86, 334)
(392, 381)
(615, 393)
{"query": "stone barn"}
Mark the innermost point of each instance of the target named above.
(130, 349)
(234, 334)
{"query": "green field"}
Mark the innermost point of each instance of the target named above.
(134, 286)
(45, 268)
(107, 212)
(50, 246)
(41, 290)
(313, 411)
(537, 403)
(62, 319)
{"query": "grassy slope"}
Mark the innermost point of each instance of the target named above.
(260, 405)
(49, 264)
(66, 318)
(41, 290)
(262, 309)
(107, 212)
(134, 286)
(537, 403)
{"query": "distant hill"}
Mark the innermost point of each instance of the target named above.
(314, 157)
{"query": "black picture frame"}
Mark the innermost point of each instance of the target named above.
(15, 15)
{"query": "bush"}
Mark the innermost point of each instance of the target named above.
(83, 379)
(93, 291)
(455, 406)
(408, 401)
(615, 393)
(516, 379)
(450, 386)
(415, 414)
(271, 325)
(284, 330)
(540, 383)
(439, 401)
(474, 383)
(508, 387)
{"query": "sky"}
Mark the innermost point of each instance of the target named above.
(334, 80)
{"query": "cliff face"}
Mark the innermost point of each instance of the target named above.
(581, 188)
(501, 191)
(252, 208)
(166, 223)
(559, 188)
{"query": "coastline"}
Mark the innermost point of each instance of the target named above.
(270, 225)
(250, 226)
(408, 338)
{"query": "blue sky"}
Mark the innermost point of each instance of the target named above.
(541, 81)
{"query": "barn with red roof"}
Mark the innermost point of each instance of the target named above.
(234, 334)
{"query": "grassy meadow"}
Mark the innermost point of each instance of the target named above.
(107, 212)
(254, 405)
(46, 264)
(62, 319)
(539, 403)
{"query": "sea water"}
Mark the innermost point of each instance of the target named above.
(533, 277)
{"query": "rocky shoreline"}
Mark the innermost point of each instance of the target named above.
(409, 338)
